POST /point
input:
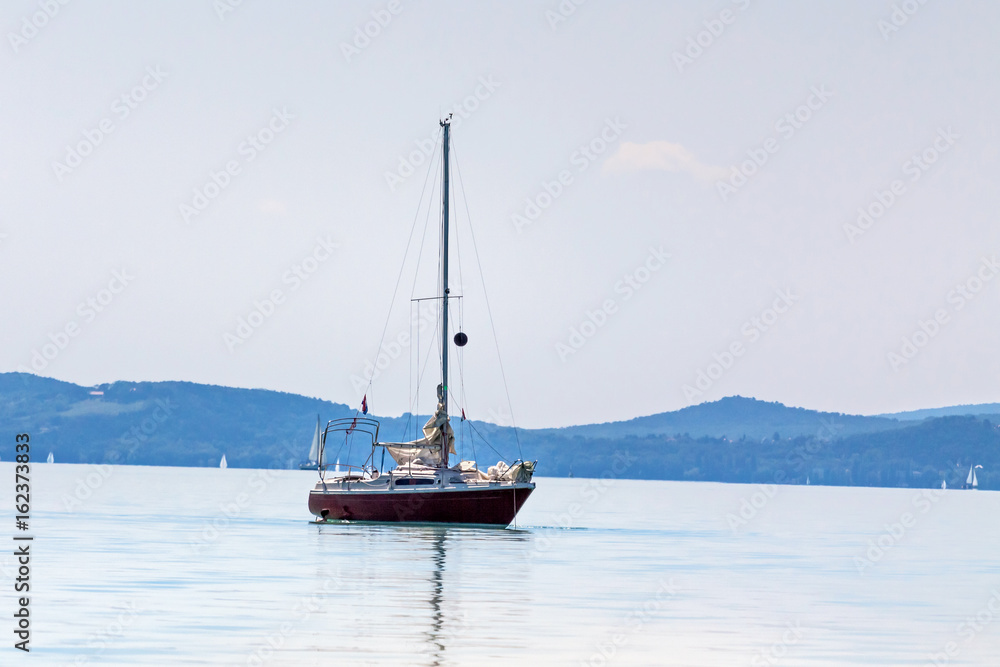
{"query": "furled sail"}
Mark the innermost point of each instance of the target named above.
(519, 472)
(425, 449)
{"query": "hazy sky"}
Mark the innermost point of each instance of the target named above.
(698, 170)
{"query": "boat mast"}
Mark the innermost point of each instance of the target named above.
(443, 389)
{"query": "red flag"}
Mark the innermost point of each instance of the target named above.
(364, 404)
(463, 414)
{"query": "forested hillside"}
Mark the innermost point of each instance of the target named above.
(731, 440)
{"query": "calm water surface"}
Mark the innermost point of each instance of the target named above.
(157, 566)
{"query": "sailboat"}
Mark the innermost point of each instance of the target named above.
(313, 462)
(424, 487)
(50, 459)
(222, 463)
(971, 482)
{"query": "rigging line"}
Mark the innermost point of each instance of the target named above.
(461, 371)
(409, 384)
(423, 236)
(402, 266)
(439, 326)
(459, 362)
(420, 373)
(459, 352)
(458, 237)
(406, 426)
(414, 407)
(438, 329)
(461, 377)
(415, 397)
(443, 257)
(319, 455)
(441, 252)
(409, 368)
(476, 431)
(489, 310)
(416, 271)
(339, 449)
(472, 441)
(416, 385)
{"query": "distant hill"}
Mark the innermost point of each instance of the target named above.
(736, 417)
(160, 423)
(186, 424)
(735, 439)
(925, 453)
(920, 454)
(955, 411)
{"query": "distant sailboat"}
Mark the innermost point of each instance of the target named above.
(807, 480)
(222, 463)
(944, 484)
(313, 462)
(971, 482)
(51, 458)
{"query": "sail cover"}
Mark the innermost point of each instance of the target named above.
(426, 448)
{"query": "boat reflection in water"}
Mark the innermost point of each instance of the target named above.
(437, 614)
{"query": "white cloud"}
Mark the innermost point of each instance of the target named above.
(663, 156)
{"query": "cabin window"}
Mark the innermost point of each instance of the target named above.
(413, 481)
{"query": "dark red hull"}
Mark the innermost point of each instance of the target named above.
(494, 505)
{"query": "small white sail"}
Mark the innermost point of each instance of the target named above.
(968, 480)
(222, 463)
(975, 482)
(944, 484)
(51, 458)
(807, 480)
(314, 450)
(337, 468)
